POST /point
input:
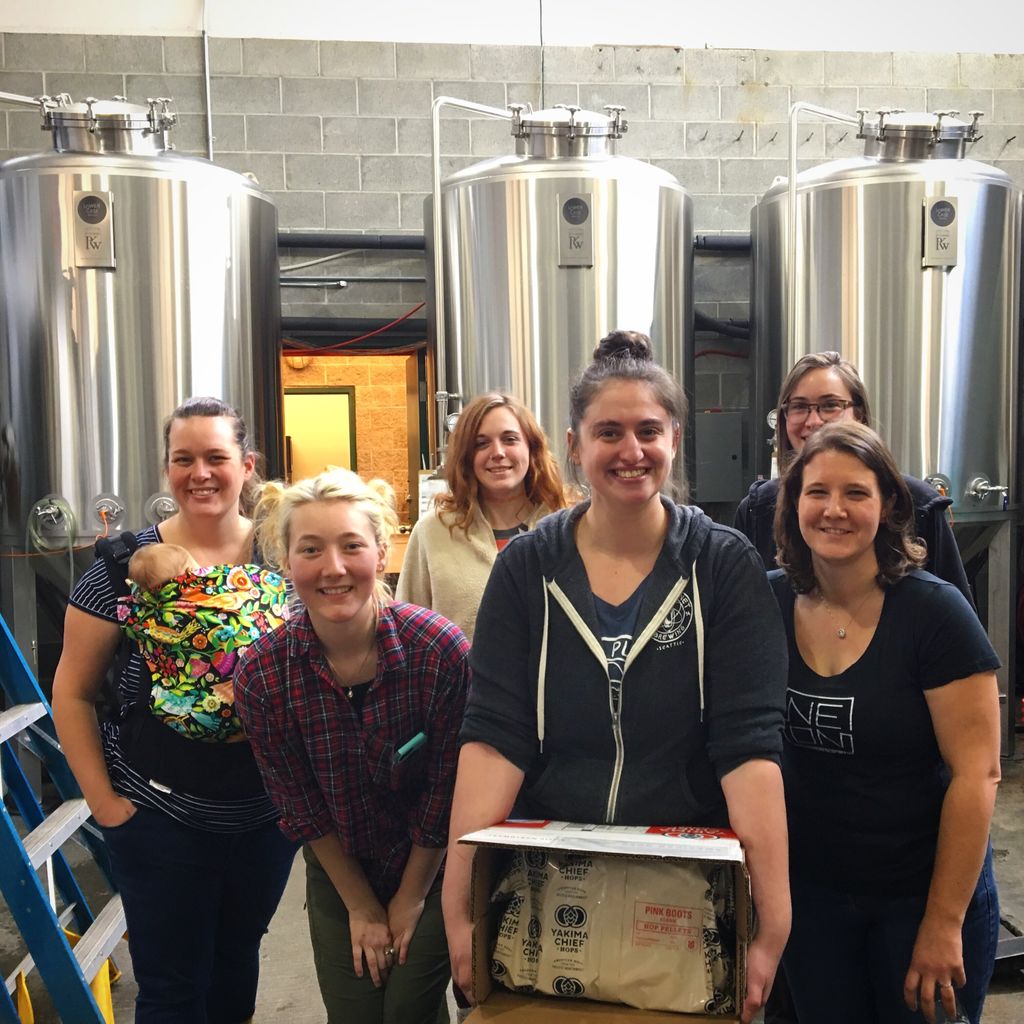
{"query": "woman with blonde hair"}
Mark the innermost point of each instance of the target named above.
(502, 479)
(353, 709)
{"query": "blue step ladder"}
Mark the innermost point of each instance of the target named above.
(27, 725)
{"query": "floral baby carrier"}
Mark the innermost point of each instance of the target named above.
(190, 633)
(182, 733)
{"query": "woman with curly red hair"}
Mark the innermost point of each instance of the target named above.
(502, 479)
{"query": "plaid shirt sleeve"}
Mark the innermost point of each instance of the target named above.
(261, 688)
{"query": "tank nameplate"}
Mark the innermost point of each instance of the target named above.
(575, 230)
(94, 230)
(940, 232)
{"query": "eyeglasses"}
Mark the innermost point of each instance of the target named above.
(828, 409)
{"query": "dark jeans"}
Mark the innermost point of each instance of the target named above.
(847, 957)
(414, 992)
(197, 906)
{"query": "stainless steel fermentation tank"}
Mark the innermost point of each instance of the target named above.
(908, 261)
(547, 250)
(130, 278)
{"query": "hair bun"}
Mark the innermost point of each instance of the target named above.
(624, 345)
(384, 492)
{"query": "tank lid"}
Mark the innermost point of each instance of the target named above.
(117, 112)
(107, 126)
(940, 126)
(568, 121)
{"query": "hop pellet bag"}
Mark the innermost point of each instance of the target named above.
(656, 935)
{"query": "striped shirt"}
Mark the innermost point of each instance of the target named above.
(95, 594)
(333, 768)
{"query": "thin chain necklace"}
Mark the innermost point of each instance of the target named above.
(842, 630)
(357, 675)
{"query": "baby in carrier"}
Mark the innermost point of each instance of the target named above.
(190, 623)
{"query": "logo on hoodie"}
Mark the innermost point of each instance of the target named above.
(675, 624)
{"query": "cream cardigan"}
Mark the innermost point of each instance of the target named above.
(447, 572)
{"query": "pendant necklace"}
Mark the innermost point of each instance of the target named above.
(842, 630)
(348, 690)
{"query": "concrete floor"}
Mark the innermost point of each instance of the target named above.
(288, 989)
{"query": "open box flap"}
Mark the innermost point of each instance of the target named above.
(628, 840)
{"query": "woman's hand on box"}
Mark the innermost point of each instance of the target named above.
(763, 957)
(460, 951)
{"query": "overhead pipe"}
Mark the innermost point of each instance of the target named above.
(349, 240)
(344, 282)
(739, 243)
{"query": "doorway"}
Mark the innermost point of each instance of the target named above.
(319, 430)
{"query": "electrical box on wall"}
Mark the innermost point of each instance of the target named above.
(719, 443)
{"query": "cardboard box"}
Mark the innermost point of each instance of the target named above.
(499, 1005)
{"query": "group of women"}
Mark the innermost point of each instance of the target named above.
(624, 660)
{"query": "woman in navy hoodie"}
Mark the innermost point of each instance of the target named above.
(629, 662)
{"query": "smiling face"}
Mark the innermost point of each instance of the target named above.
(333, 560)
(840, 509)
(205, 467)
(815, 387)
(625, 444)
(501, 456)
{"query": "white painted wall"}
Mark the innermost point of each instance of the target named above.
(983, 26)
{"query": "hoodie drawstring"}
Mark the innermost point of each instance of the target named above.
(699, 625)
(542, 672)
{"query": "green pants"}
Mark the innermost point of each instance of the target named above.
(414, 992)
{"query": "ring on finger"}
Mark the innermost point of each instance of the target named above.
(945, 984)
(389, 953)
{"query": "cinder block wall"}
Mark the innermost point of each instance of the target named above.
(339, 133)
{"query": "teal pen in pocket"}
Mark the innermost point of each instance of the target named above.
(409, 747)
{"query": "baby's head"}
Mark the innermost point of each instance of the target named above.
(153, 565)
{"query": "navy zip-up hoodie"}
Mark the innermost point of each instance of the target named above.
(703, 690)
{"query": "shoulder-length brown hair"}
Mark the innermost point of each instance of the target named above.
(896, 548)
(543, 482)
(818, 361)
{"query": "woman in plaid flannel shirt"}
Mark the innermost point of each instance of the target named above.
(353, 710)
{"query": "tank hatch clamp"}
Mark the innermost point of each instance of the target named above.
(163, 119)
(26, 730)
(883, 113)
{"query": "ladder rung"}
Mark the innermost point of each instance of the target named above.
(27, 966)
(48, 837)
(100, 938)
(19, 717)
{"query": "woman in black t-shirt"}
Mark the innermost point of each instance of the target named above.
(892, 750)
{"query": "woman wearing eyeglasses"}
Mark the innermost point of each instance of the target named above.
(825, 388)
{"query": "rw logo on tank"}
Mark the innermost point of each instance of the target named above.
(674, 626)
